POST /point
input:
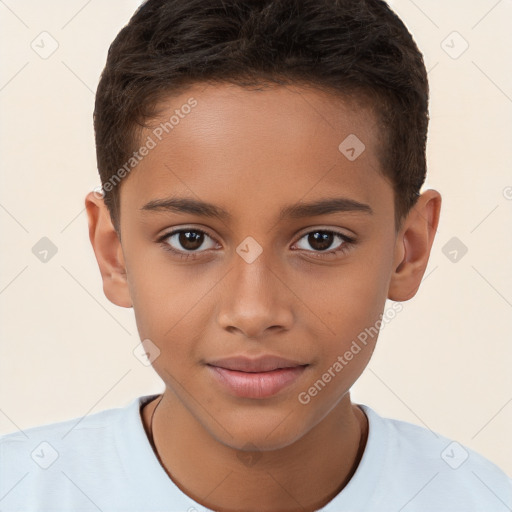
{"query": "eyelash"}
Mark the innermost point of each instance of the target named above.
(348, 242)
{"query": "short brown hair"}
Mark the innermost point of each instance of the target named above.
(353, 48)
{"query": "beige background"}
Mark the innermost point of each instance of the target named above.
(66, 351)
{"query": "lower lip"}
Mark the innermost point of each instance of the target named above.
(257, 385)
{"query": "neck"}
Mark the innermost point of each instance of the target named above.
(304, 475)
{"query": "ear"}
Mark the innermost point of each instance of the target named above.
(413, 245)
(108, 250)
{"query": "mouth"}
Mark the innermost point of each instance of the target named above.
(263, 377)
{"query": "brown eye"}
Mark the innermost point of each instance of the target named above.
(321, 240)
(190, 240)
(186, 241)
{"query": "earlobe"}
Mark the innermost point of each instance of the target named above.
(413, 246)
(108, 251)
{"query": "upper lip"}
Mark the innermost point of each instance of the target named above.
(265, 363)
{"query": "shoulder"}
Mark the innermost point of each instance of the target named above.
(36, 461)
(98, 461)
(81, 426)
(444, 472)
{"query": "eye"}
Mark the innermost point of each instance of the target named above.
(321, 240)
(187, 240)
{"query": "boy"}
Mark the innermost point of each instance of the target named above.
(261, 163)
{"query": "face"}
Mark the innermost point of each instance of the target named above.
(260, 271)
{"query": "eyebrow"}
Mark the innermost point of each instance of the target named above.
(295, 211)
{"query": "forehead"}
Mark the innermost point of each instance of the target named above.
(256, 150)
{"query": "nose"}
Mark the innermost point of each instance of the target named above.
(255, 300)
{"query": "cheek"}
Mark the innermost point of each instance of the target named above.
(172, 306)
(350, 300)
(164, 291)
(352, 309)
(174, 302)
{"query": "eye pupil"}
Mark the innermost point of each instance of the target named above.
(191, 240)
(322, 239)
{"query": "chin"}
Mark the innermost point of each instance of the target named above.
(259, 431)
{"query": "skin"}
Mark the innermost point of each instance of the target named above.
(251, 153)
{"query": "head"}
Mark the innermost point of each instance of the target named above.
(260, 109)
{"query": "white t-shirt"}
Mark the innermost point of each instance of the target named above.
(104, 462)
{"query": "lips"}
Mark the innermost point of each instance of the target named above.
(260, 364)
(260, 377)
